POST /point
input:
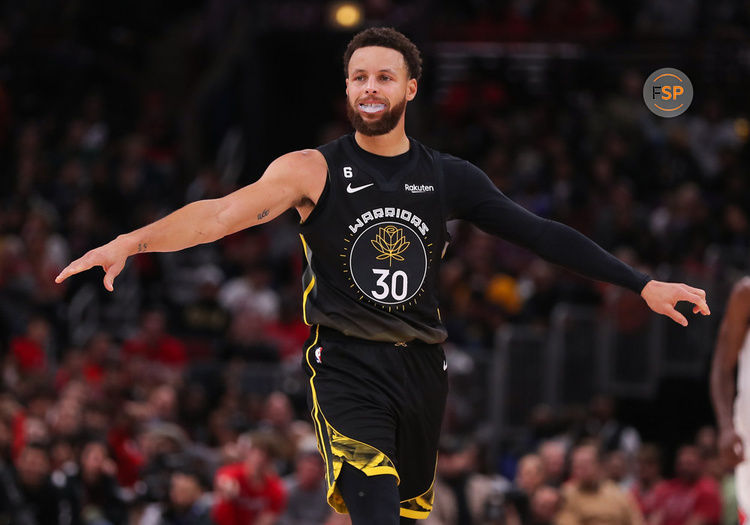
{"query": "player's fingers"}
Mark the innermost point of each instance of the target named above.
(676, 316)
(77, 266)
(697, 300)
(112, 272)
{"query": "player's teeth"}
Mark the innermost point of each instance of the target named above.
(372, 108)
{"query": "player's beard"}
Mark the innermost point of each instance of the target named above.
(381, 126)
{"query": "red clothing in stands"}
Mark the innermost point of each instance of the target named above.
(28, 354)
(168, 350)
(680, 500)
(252, 501)
(648, 500)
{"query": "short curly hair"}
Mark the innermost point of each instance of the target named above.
(386, 37)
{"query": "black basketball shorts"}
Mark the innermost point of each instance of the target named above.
(379, 407)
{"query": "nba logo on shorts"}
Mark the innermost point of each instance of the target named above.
(318, 353)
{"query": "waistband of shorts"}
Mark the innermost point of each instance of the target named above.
(331, 334)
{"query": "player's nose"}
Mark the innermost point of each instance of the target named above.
(371, 86)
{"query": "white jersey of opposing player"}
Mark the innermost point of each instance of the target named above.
(742, 425)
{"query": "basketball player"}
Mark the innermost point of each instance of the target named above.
(732, 354)
(373, 207)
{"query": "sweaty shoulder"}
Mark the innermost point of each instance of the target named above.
(304, 170)
(303, 162)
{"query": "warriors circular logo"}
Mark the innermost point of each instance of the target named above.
(388, 263)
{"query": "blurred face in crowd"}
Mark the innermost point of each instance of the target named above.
(184, 490)
(99, 347)
(67, 418)
(38, 330)
(92, 460)
(310, 471)
(62, 452)
(278, 410)
(153, 325)
(649, 467)
(377, 88)
(689, 465)
(585, 468)
(706, 439)
(616, 466)
(36, 430)
(553, 459)
(33, 466)
(163, 402)
(544, 504)
(256, 461)
(530, 475)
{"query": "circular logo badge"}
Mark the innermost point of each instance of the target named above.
(668, 92)
(388, 262)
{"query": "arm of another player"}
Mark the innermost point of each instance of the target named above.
(723, 388)
(291, 180)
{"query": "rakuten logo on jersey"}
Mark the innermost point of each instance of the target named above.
(421, 188)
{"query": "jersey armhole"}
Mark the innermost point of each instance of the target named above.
(321, 201)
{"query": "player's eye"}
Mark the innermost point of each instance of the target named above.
(384, 78)
(359, 78)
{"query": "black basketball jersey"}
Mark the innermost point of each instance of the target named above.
(373, 244)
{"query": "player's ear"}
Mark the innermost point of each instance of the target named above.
(347, 86)
(411, 89)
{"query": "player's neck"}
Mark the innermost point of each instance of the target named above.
(393, 143)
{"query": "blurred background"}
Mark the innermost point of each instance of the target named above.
(130, 407)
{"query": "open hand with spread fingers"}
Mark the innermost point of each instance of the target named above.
(662, 297)
(111, 257)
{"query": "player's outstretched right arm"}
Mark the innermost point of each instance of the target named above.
(732, 333)
(292, 180)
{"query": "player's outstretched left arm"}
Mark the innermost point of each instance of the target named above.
(289, 181)
(662, 297)
(472, 196)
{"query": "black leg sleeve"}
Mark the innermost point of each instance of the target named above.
(371, 500)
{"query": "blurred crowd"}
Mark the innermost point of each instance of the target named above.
(179, 398)
(605, 475)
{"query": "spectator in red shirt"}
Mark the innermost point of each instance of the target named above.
(250, 492)
(154, 343)
(692, 497)
(29, 349)
(649, 486)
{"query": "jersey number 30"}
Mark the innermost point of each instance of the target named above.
(396, 288)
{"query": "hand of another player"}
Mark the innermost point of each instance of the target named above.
(730, 448)
(111, 257)
(662, 297)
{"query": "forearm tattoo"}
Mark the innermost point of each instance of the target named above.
(142, 247)
(262, 214)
